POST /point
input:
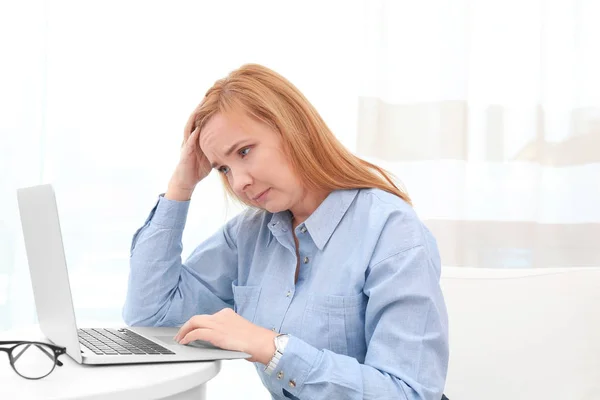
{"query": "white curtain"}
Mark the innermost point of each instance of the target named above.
(488, 111)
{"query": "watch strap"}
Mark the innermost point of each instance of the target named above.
(276, 357)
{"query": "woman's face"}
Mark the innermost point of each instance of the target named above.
(250, 154)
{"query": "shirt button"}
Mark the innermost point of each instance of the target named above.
(303, 229)
(280, 375)
(306, 260)
(289, 293)
(292, 383)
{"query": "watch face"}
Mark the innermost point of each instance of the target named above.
(282, 342)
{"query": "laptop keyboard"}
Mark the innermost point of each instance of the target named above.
(118, 341)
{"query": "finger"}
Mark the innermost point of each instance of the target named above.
(184, 330)
(197, 321)
(193, 138)
(205, 334)
(191, 144)
(195, 134)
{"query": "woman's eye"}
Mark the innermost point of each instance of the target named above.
(224, 170)
(244, 152)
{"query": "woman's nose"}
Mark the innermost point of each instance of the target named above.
(241, 180)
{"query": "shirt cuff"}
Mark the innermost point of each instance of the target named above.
(295, 364)
(169, 213)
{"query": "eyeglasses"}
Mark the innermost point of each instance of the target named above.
(33, 360)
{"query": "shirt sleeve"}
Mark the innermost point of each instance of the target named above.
(163, 291)
(406, 331)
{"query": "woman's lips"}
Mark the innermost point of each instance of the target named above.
(262, 196)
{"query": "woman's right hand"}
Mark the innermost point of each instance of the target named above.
(193, 166)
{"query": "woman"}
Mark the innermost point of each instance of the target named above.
(333, 280)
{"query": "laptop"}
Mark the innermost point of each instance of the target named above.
(54, 303)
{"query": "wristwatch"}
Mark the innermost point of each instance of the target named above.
(281, 341)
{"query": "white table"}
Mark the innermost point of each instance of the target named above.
(172, 381)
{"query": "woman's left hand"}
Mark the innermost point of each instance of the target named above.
(230, 331)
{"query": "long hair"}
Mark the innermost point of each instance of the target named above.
(315, 154)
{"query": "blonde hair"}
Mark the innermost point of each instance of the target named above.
(318, 158)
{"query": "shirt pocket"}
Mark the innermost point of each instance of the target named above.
(334, 322)
(245, 300)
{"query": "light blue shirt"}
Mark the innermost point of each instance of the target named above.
(366, 318)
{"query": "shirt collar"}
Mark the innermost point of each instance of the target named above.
(322, 222)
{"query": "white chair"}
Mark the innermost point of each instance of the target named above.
(523, 334)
